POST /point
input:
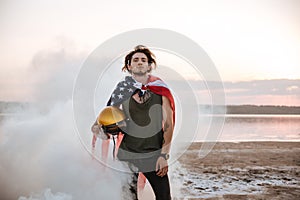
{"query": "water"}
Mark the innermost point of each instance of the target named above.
(247, 127)
(261, 128)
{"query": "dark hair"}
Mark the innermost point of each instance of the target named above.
(139, 49)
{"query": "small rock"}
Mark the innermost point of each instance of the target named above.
(287, 179)
(199, 188)
(215, 188)
(247, 180)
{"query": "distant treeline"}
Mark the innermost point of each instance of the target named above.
(14, 107)
(253, 109)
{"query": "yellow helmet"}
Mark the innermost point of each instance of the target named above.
(110, 115)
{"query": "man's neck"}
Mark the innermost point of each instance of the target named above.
(142, 79)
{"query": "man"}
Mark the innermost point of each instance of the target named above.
(149, 107)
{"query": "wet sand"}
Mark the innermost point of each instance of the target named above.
(245, 170)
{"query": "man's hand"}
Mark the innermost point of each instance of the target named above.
(161, 166)
(97, 131)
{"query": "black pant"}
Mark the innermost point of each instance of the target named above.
(160, 185)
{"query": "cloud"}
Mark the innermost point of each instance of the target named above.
(264, 92)
(278, 87)
(273, 92)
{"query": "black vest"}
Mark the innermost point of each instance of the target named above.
(143, 136)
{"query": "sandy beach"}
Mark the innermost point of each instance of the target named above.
(244, 170)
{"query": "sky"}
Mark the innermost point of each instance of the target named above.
(251, 43)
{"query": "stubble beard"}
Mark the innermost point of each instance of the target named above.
(139, 73)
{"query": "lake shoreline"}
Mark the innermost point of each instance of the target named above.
(241, 170)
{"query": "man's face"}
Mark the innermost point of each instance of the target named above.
(139, 64)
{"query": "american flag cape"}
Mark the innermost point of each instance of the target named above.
(126, 88)
(123, 91)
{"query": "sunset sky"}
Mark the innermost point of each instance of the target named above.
(254, 44)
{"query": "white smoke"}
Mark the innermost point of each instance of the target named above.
(41, 154)
(48, 195)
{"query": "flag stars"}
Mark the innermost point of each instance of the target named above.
(130, 90)
(120, 96)
(121, 89)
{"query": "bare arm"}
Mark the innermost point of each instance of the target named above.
(168, 125)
